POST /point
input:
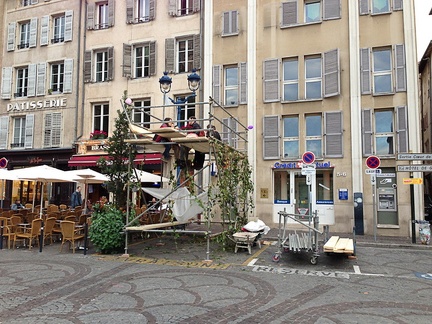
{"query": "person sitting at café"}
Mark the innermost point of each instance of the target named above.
(17, 205)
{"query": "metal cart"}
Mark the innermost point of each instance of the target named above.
(298, 242)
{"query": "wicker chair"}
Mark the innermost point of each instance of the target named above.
(8, 232)
(28, 206)
(70, 218)
(31, 233)
(69, 234)
(48, 229)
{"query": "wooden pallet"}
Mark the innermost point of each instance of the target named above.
(339, 245)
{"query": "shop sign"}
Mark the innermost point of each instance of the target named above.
(298, 165)
(35, 160)
(36, 105)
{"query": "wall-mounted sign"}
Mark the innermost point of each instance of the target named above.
(343, 194)
(298, 165)
(36, 105)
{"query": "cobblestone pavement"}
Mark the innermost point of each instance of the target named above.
(166, 281)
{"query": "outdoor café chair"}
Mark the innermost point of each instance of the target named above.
(8, 232)
(31, 233)
(69, 234)
(48, 229)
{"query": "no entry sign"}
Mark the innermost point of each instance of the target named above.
(373, 162)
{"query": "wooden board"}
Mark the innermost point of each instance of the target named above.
(331, 243)
(341, 244)
(169, 132)
(154, 226)
(200, 144)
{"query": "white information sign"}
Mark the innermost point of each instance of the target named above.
(372, 171)
(415, 168)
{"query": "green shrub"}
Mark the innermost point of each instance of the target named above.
(106, 229)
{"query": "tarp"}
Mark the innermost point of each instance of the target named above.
(148, 177)
(185, 206)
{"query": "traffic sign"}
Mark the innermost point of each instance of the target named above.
(308, 157)
(415, 168)
(415, 156)
(373, 171)
(412, 181)
(308, 169)
(373, 162)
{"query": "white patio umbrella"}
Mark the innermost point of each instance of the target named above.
(144, 176)
(5, 175)
(43, 174)
(87, 176)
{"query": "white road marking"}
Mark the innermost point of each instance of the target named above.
(252, 262)
(356, 269)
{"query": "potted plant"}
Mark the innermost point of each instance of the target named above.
(98, 134)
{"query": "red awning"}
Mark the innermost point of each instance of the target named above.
(90, 160)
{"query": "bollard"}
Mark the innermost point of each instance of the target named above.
(1, 235)
(85, 237)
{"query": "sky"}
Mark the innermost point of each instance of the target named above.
(423, 25)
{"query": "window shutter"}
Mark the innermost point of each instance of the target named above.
(365, 71)
(226, 29)
(229, 131)
(364, 7)
(271, 138)
(87, 66)
(331, 9)
(243, 83)
(225, 130)
(127, 60)
(4, 132)
(31, 87)
(56, 129)
(152, 58)
(169, 55)
(367, 131)
(33, 32)
(41, 78)
(172, 8)
(271, 80)
(333, 134)
(28, 142)
(110, 63)
(331, 73)
(197, 51)
(196, 5)
(90, 15)
(110, 13)
(289, 13)
(68, 73)
(68, 25)
(11, 36)
(44, 34)
(6, 88)
(152, 10)
(47, 130)
(129, 12)
(234, 22)
(402, 129)
(397, 5)
(399, 51)
(217, 69)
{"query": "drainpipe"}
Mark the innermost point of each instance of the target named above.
(78, 133)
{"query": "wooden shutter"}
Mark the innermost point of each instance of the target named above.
(170, 55)
(197, 51)
(4, 132)
(243, 83)
(271, 138)
(333, 132)
(196, 6)
(217, 69)
(271, 80)
(41, 78)
(90, 15)
(6, 87)
(33, 32)
(289, 13)
(110, 63)
(28, 141)
(172, 7)
(399, 54)
(402, 129)
(152, 10)
(56, 128)
(68, 73)
(331, 9)
(68, 25)
(47, 130)
(11, 36)
(397, 5)
(44, 34)
(110, 13)
(88, 66)
(152, 58)
(365, 71)
(331, 73)
(31, 87)
(127, 60)
(364, 7)
(367, 131)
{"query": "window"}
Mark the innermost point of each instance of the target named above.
(26, 3)
(231, 86)
(230, 23)
(139, 11)
(24, 41)
(59, 29)
(313, 79)
(185, 55)
(291, 148)
(380, 6)
(101, 66)
(182, 54)
(102, 15)
(142, 61)
(57, 77)
(98, 65)
(313, 139)
(52, 129)
(141, 114)
(382, 71)
(186, 110)
(183, 7)
(290, 80)
(385, 131)
(22, 82)
(18, 132)
(312, 11)
(143, 10)
(100, 117)
(376, 7)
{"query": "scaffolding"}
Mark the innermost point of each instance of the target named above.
(142, 138)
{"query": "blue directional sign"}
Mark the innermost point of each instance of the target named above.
(308, 157)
